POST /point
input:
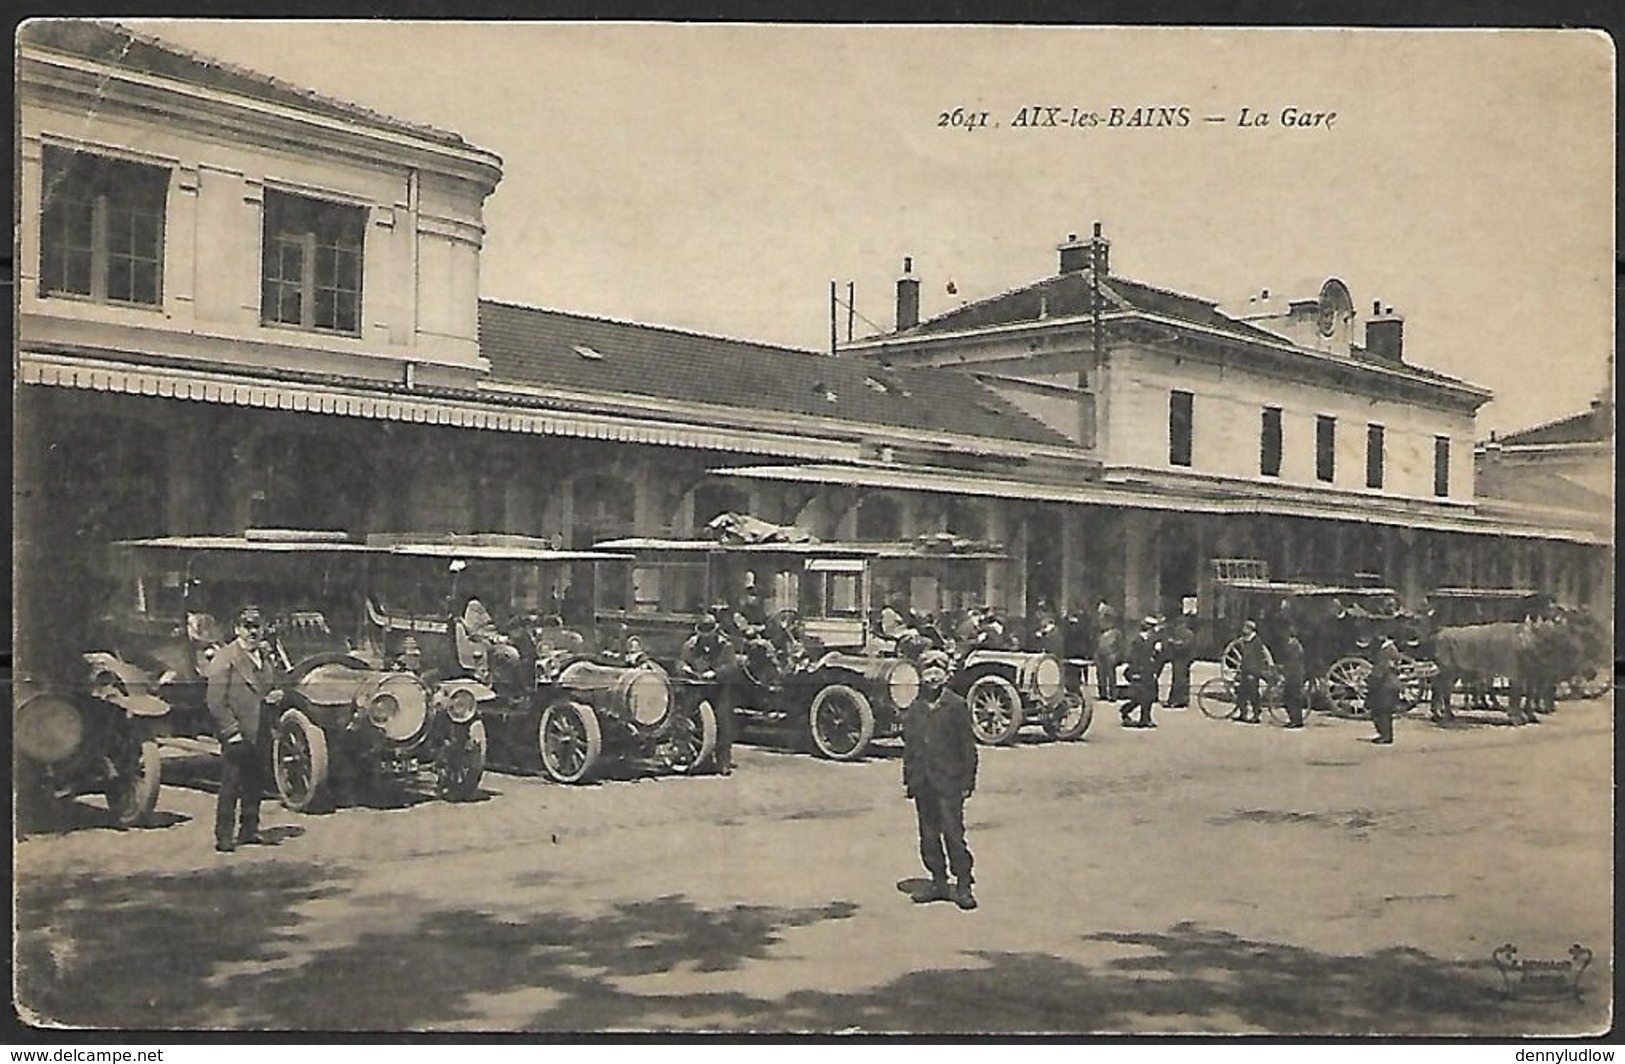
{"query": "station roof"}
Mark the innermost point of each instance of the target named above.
(551, 348)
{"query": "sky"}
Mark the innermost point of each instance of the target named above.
(718, 178)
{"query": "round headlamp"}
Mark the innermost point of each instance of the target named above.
(648, 697)
(903, 684)
(50, 728)
(461, 706)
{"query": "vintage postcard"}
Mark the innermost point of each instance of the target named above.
(703, 529)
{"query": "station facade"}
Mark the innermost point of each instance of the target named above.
(242, 304)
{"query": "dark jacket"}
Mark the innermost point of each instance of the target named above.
(1293, 670)
(237, 691)
(1256, 658)
(939, 748)
(701, 654)
(1141, 658)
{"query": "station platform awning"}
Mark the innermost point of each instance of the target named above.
(957, 482)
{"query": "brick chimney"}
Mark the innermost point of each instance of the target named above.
(1385, 333)
(908, 297)
(1078, 255)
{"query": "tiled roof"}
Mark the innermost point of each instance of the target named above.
(117, 45)
(1067, 295)
(1537, 487)
(1589, 427)
(549, 348)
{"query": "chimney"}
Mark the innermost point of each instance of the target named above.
(1385, 333)
(1078, 255)
(908, 297)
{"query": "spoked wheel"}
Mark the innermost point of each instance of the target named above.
(1230, 660)
(995, 710)
(1216, 698)
(1274, 707)
(132, 793)
(1415, 681)
(693, 738)
(299, 762)
(569, 741)
(841, 722)
(1070, 719)
(461, 764)
(1346, 684)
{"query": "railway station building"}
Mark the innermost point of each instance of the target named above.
(244, 304)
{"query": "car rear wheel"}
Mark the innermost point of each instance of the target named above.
(1070, 719)
(299, 762)
(842, 722)
(693, 739)
(461, 764)
(995, 710)
(570, 742)
(132, 793)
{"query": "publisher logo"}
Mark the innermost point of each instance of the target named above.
(1541, 978)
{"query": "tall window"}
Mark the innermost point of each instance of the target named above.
(1373, 456)
(102, 228)
(1179, 428)
(1325, 448)
(311, 275)
(1441, 465)
(1269, 442)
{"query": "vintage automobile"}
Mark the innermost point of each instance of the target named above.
(806, 664)
(347, 721)
(555, 698)
(97, 737)
(937, 582)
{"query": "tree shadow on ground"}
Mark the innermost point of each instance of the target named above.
(136, 950)
(149, 951)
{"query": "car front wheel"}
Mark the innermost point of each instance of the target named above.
(995, 710)
(299, 761)
(570, 742)
(841, 722)
(693, 739)
(132, 793)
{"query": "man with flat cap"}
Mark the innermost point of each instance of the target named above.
(1140, 669)
(939, 773)
(707, 657)
(242, 699)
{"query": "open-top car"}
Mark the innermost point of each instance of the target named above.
(795, 613)
(347, 720)
(927, 592)
(486, 614)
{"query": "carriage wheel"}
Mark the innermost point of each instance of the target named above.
(1216, 698)
(1230, 660)
(1346, 685)
(995, 710)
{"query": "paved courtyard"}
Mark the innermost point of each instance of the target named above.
(1202, 877)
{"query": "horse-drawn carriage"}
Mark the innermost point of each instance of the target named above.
(1340, 624)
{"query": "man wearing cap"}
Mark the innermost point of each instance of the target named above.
(242, 699)
(1256, 663)
(707, 657)
(1140, 669)
(939, 773)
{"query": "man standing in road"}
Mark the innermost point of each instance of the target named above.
(1292, 678)
(939, 773)
(1382, 690)
(1108, 651)
(1177, 647)
(707, 657)
(242, 699)
(1256, 663)
(1140, 669)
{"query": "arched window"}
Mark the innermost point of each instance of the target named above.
(879, 518)
(605, 507)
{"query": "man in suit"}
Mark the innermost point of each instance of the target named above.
(242, 699)
(939, 773)
(1257, 664)
(708, 658)
(1140, 669)
(1178, 647)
